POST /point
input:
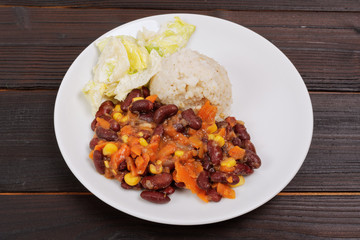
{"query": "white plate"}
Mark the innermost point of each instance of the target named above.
(268, 93)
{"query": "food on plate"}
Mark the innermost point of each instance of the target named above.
(174, 134)
(188, 79)
(158, 148)
(126, 62)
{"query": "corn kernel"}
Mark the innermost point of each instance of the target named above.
(155, 169)
(212, 128)
(106, 163)
(228, 162)
(117, 116)
(131, 180)
(140, 134)
(117, 108)
(124, 119)
(109, 149)
(137, 98)
(241, 182)
(211, 136)
(179, 153)
(125, 138)
(143, 142)
(220, 140)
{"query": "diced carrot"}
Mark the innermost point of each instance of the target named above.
(225, 191)
(136, 149)
(237, 152)
(227, 169)
(151, 98)
(141, 164)
(100, 146)
(167, 150)
(103, 123)
(126, 130)
(91, 155)
(195, 141)
(171, 131)
(222, 132)
(201, 152)
(119, 156)
(207, 112)
(231, 121)
(187, 174)
(181, 139)
(131, 166)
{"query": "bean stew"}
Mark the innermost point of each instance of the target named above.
(158, 148)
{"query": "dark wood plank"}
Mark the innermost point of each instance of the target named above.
(86, 217)
(29, 153)
(307, 5)
(38, 45)
(30, 158)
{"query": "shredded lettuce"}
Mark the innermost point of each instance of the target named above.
(126, 62)
(172, 36)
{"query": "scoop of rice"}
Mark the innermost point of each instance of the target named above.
(188, 78)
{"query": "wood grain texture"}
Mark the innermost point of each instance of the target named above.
(86, 217)
(30, 154)
(323, 46)
(306, 5)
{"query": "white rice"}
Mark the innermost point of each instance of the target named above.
(188, 78)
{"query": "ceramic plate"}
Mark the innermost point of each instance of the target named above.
(269, 95)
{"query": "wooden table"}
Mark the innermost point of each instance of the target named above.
(41, 199)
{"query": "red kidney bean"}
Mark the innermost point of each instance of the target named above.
(215, 152)
(203, 181)
(127, 186)
(168, 190)
(157, 105)
(146, 134)
(165, 112)
(194, 121)
(213, 195)
(243, 169)
(240, 130)
(159, 130)
(114, 125)
(105, 108)
(236, 141)
(141, 106)
(219, 177)
(148, 117)
(224, 177)
(93, 124)
(235, 179)
(128, 100)
(145, 92)
(179, 184)
(106, 134)
(179, 127)
(170, 164)
(154, 197)
(157, 181)
(206, 162)
(93, 142)
(249, 146)
(122, 166)
(98, 161)
(252, 159)
(222, 124)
